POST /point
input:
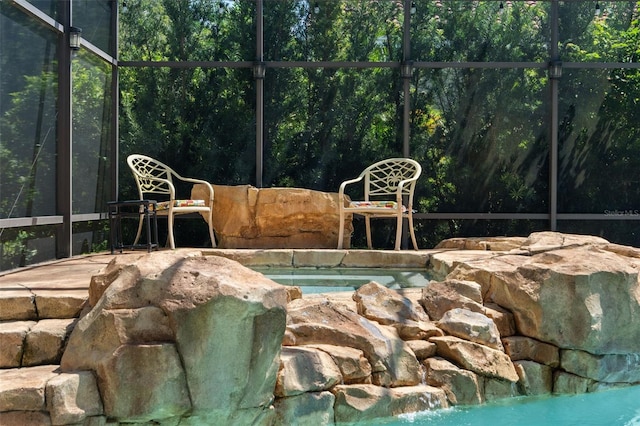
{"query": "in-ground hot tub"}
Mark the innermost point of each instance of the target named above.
(322, 280)
(321, 271)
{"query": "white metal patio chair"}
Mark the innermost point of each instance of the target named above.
(385, 184)
(156, 178)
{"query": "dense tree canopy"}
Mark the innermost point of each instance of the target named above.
(480, 106)
(481, 133)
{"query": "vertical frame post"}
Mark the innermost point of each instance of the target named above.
(64, 186)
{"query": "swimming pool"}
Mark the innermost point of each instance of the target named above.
(325, 280)
(615, 407)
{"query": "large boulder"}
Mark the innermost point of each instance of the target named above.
(441, 296)
(386, 306)
(305, 369)
(305, 409)
(477, 358)
(461, 386)
(170, 334)
(249, 217)
(71, 398)
(575, 296)
(535, 378)
(472, 326)
(353, 365)
(358, 403)
(320, 321)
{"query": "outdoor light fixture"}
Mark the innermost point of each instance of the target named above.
(316, 8)
(259, 70)
(598, 9)
(220, 7)
(74, 38)
(407, 69)
(501, 8)
(413, 8)
(555, 69)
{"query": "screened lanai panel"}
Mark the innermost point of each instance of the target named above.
(196, 30)
(199, 121)
(431, 232)
(28, 96)
(608, 33)
(333, 30)
(50, 7)
(482, 135)
(91, 134)
(480, 31)
(323, 126)
(94, 17)
(625, 229)
(599, 141)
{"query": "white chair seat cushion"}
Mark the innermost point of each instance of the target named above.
(164, 205)
(391, 205)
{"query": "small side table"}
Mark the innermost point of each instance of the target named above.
(145, 209)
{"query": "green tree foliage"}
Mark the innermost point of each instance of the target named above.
(198, 120)
(481, 133)
(599, 133)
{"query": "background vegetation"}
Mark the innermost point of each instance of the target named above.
(480, 101)
(481, 133)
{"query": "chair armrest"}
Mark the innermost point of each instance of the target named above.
(202, 182)
(401, 186)
(344, 184)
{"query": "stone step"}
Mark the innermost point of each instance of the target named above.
(42, 395)
(33, 304)
(30, 343)
(57, 289)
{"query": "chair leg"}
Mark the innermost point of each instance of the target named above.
(398, 232)
(139, 229)
(412, 232)
(170, 231)
(341, 230)
(367, 225)
(213, 238)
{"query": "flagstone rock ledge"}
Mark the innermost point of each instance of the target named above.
(192, 337)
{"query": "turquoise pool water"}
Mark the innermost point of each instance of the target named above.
(323, 280)
(616, 407)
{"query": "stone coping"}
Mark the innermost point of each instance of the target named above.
(326, 258)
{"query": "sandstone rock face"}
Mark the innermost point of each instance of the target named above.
(45, 342)
(306, 409)
(477, 358)
(12, 337)
(422, 348)
(353, 365)
(599, 289)
(526, 348)
(358, 403)
(385, 306)
(535, 379)
(472, 326)
(170, 333)
(178, 338)
(612, 368)
(442, 296)
(23, 390)
(72, 398)
(249, 217)
(576, 293)
(462, 387)
(304, 369)
(490, 244)
(392, 361)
